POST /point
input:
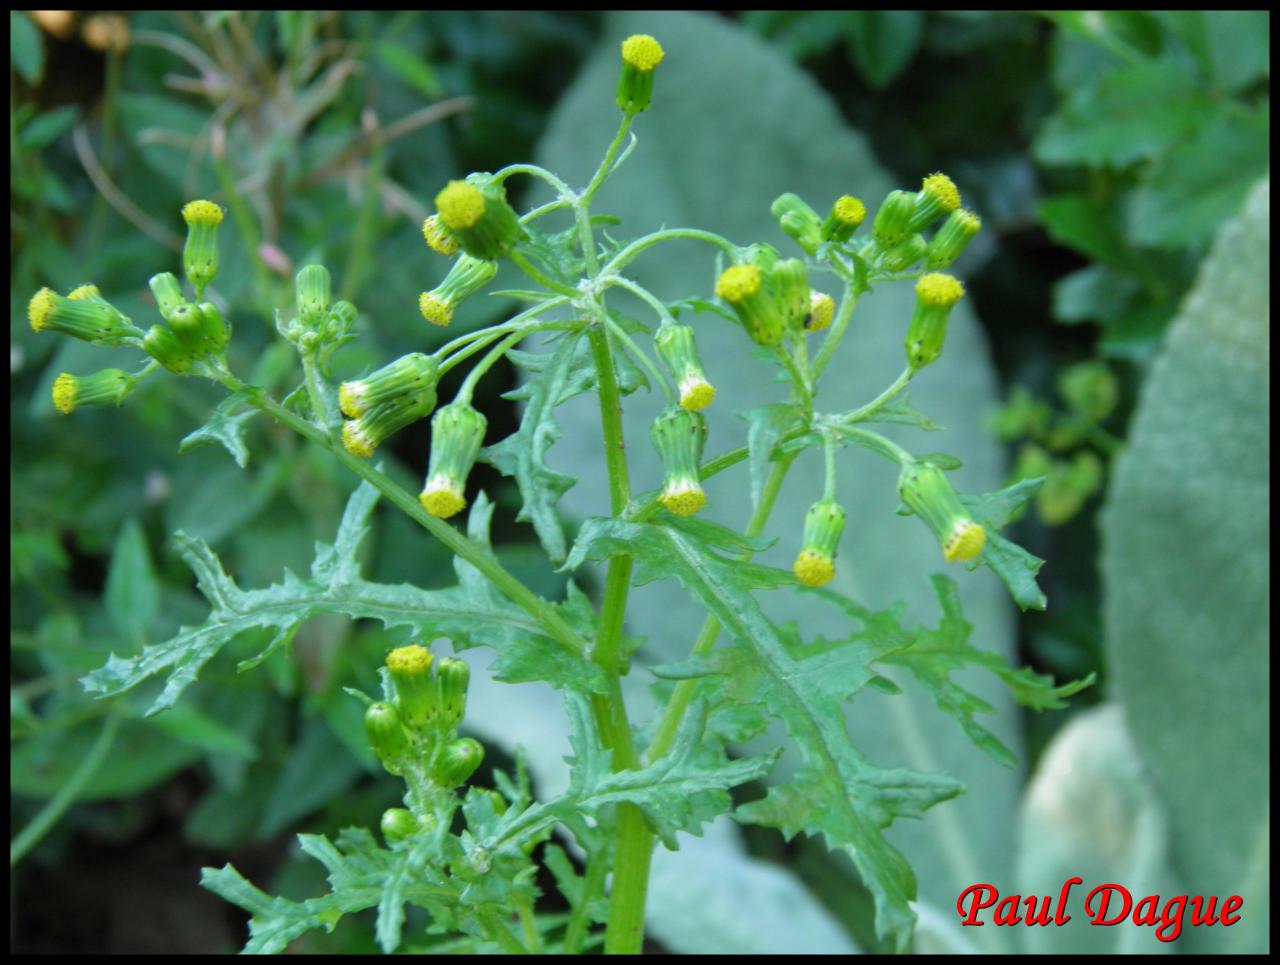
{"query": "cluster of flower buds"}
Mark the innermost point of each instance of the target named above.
(680, 435)
(82, 314)
(191, 333)
(467, 276)
(678, 349)
(641, 55)
(769, 294)
(897, 230)
(457, 433)
(815, 564)
(320, 325)
(417, 731)
(926, 491)
(809, 230)
(474, 213)
(384, 402)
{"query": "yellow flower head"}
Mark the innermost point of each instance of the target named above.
(83, 293)
(442, 499)
(965, 541)
(413, 660)
(438, 239)
(813, 568)
(696, 393)
(642, 52)
(356, 441)
(939, 290)
(460, 205)
(202, 212)
(39, 309)
(969, 221)
(738, 283)
(822, 309)
(849, 210)
(65, 390)
(435, 309)
(351, 399)
(943, 191)
(684, 498)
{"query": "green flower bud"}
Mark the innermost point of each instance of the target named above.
(163, 346)
(399, 824)
(168, 293)
(217, 333)
(83, 314)
(792, 280)
(362, 435)
(641, 55)
(413, 374)
(187, 325)
(937, 196)
(467, 276)
(416, 699)
(439, 238)
(108, 387)
(313, 290)
(200, 253)
(904, 254)
(936, 295)
(457, 762)
(844, 218)
(387, 736)
(893, 220)
(339, 320)
(927, 492)
(815, 564)
(679, 436)
(452, 677)
(1090, 389)
(678, 349)
(960, 228)
(822, 309)
(457, 433)
(477, 214)
(799, 221)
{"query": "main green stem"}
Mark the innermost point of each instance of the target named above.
(624, 933)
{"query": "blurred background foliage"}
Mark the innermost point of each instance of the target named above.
(1105, 151)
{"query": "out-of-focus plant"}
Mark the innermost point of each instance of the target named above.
(1068, 449)
(1162, 127)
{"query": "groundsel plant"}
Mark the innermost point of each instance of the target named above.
(469, 855)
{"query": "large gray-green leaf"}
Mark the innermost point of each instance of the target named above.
(732, 126)
(1091, 812)
(1186, 563)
